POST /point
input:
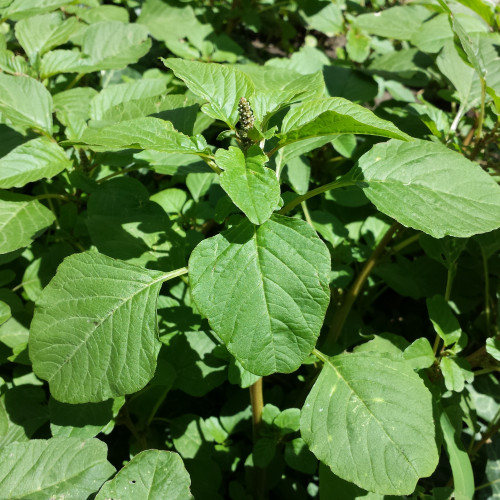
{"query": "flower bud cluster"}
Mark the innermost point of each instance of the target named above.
(246, 115)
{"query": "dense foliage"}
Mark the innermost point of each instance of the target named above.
(249, 249)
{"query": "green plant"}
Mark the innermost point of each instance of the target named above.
(185, 229)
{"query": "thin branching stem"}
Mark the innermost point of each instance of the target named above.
(342, 182)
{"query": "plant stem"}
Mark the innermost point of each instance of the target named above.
(403, 244)
(342, 182)
(492, 429)
(75, 81)
(56, 196)
(479, 130)
(257, 402)
(485, 485)
(485, 371)
(342, 312)
(449, 282)
(486, 291)
(174, 274)
(157, 405)
(210, 162)
(322, 357)
(306, 214)
(125, 170)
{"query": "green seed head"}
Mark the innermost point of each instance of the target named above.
(246, 114)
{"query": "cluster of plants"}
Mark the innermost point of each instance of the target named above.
(249, 249)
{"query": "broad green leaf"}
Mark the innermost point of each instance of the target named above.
(105, 45)
(93, 335)
(369, 418)
(199, 183)
(19, 9)
(296, 172)
(396, 22)
(432, 35)
(23, 410)
(278, 87)
(221, 86)
(114, 44)
(461, 75)
(264, 290)
(445, 250)
(131, 92)
(5, 312)
(72, 109)
(333, 116)
(253, 187)
(150, 474)
(39, 34)
(349, 84)
(263, 451)
(456, 371)
(492, 471)
(469, 46)
(53, 468)
(358, 45)
(197, 369)
(64, 60)
(34, 160)
(181, 20)
(488, 48)
(172, 164)
(288, 421)
(143, 133)
(84, 420)
(332, 486)
(463, 477)
(14, 64)
(419, 354)
(124, 224)
(426, 186)
(407, 65)
(299, 457)
(104, 13)
(443, 320)
(327, 17)
(25, 102)
(171, 200)
(39, 272)
(22, 219)
(493, 348)
(482, 8)
(329, 227)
